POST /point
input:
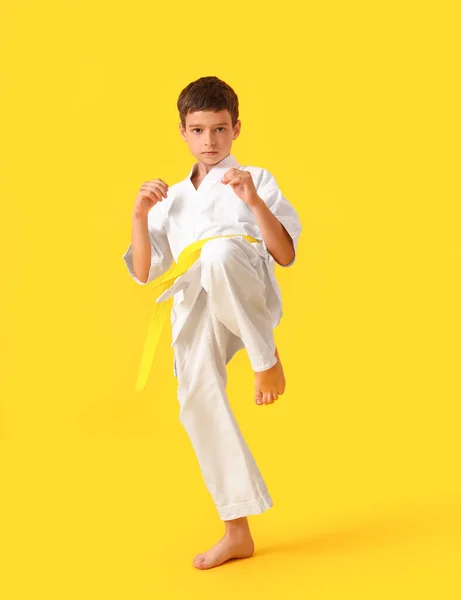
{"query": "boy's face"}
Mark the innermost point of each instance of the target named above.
(207, 130)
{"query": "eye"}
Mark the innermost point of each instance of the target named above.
(198, 129)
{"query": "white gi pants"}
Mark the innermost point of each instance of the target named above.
(230, 313)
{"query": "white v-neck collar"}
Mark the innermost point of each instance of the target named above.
(214, 174)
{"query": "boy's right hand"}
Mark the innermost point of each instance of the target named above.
(149, 194)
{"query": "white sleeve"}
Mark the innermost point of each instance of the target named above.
(284, 211)
(161, 256)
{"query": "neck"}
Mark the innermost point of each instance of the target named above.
(201, 169)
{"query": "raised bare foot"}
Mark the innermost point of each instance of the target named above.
(235, 545)
(270, 384)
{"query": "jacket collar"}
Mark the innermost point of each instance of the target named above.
(215, 174)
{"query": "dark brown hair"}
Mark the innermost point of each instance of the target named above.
(208, 93)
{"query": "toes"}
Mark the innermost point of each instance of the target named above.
(199, 561)
(266, 397)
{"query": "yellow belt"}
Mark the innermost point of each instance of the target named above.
(185, 260)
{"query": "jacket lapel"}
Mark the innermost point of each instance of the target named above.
(213, 176)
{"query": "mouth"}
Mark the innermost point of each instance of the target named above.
(210, 153)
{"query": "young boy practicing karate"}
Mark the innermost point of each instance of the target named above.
(210, 242)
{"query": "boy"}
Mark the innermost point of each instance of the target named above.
(228, 299)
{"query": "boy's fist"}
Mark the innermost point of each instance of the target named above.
(242, 184)
(149, 194)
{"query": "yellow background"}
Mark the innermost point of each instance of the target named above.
(354, 107)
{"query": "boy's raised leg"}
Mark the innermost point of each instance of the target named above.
(232, 275)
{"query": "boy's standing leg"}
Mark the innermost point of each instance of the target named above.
(201, 352)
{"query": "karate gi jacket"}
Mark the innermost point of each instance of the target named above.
(188, 215)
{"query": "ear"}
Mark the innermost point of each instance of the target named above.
(182, 131)
(237, 129)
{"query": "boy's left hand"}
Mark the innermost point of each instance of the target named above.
(243, 185)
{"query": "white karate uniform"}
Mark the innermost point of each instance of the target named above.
(229, 299)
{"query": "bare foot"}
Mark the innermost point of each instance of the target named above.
(232, 545)
(270, 384)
